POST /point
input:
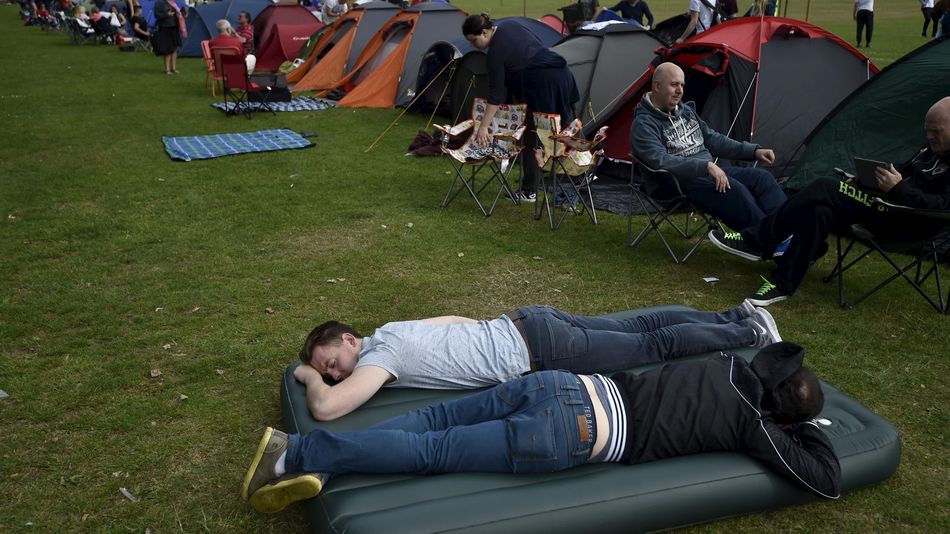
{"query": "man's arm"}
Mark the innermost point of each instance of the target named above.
(693, 20)
(328, 402)
(802, 454)
(904, 192)
(722, 146)
(648, 13)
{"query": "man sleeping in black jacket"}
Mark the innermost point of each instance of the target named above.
(553, 420)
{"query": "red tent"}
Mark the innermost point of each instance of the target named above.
(284, 43)
(555, 23)
(276, 14)
(767, 80)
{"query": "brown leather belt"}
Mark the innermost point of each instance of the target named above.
(517, 322)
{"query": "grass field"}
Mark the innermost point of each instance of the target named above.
(116, 262)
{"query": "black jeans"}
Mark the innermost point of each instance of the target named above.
(928, 15)
(825, 205)
(865, 19)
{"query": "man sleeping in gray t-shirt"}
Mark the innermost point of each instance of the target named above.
(452, 352)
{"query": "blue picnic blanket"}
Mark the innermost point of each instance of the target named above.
(213, 146)
(303, 103)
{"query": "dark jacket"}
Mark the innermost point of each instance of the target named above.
(716, 405)
(162, 18)
(925, 183)
(680, 142)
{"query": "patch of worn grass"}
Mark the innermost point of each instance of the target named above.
(109, 253)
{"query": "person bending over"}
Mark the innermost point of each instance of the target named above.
(829, 205)
(460, 353)
(669, 135)
(763, 409)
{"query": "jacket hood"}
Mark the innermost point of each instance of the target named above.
(776, 362)
(646, 106)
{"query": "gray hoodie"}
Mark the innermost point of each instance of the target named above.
(680, 142)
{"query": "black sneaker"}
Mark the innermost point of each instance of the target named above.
(733, 243)
(767, 294)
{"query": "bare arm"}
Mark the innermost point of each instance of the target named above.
(693, 20)
(328, 402)
(449, 319)
(481, 136)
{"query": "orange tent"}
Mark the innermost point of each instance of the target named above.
(386, 72)
(339, 46)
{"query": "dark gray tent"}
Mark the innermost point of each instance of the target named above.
(605, 62)
(882, 119)
(452, 87)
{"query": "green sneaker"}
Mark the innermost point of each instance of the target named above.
(733, 243)
(767, 294)
(278, 494)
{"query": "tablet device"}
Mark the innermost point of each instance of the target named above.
(864, 170)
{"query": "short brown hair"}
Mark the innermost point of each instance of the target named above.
(328, 333)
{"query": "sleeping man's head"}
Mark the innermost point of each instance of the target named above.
(796, 399)
(332, 348)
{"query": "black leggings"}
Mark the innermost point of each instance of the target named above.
(865, 18)
(928, 16)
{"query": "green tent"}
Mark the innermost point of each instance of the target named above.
(883, 119)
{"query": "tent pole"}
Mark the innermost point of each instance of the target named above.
(807, 9)
(442, 96)
(406, 109)
(471, 82)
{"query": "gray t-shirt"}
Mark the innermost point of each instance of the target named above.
(447, 356)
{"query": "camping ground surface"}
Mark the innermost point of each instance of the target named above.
(148, 308)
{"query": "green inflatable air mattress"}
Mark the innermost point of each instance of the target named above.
(594, 498)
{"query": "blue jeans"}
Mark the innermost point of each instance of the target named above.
(752, 195)
(584, 345)
(526, 425)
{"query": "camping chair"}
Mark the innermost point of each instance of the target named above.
(238, 84)
(77, 33)
(506, 128)
(659, 211)
(212, 74)
(567, 163)
(924, 250)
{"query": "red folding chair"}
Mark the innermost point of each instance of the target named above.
(238, 85)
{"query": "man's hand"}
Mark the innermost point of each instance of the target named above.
(304, 374)
(482, 137)
(765, 155)
(887, 177)
(717, 174)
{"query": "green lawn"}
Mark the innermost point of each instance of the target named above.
(115, 261)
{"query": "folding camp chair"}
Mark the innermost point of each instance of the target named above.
(567, 163)
(78, 34)
(662, 210)
(924, 250)
(211, 73)
(506, 129)
(238, 84)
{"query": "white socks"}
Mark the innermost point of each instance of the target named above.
(279, 468)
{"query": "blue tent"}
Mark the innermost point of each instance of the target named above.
(201, 21)
(148, 10)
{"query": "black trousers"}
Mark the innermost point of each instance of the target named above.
(825, 205)
(865, 19)
(928, 16)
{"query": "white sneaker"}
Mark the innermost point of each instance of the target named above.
(765, 328)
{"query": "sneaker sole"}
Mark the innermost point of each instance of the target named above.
(722, 246)
(765, 302)
(273, 498)
(256, 461)
(770, 324)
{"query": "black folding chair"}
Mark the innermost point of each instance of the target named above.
(468, 161)
(238, 85)
(78, 34)
(660, 211)
(923, 249)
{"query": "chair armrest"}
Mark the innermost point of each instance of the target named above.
(844, 175)
(936, 215)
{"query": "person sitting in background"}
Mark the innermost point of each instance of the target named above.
(829, 205)
(245, 32)
(82, 20)
(102, 25)
(139, 24)
(227, 39)
(118, 19)
(332, 10)
(554, 420)
(635, 10)
(670, 135)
